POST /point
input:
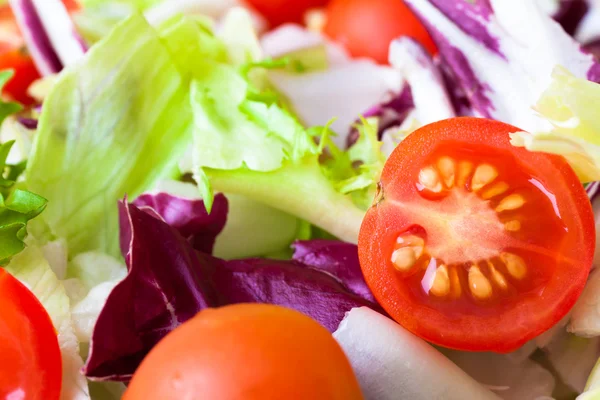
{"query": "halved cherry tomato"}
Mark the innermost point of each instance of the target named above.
(30, 361)
(278, 12)
(472, 243)
(246, 352)
(367, 27)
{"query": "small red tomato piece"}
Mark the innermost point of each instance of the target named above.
(278, 12)
(367, 27)
(30, 360)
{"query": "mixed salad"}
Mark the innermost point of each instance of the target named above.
(309, 199)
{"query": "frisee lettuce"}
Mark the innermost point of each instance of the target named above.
(246, 142)
(266, 155)
(17, 206)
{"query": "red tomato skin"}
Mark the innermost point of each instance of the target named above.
(25, 73)
(278, 12)
(26, 329)
(504, 333)
(367, 27)
(246, 352)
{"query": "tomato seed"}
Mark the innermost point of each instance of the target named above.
(484, 174)
(514, 264)
(479, 285)
(511, 202)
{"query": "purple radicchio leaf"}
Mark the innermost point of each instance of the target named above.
(570, 13)
(338, 258)
(29, 123)
(389, 114)
(593, 47)
(189, 217)
(424, 99)
(458, 96)
(169, 282)
(502, 53)
(49, 33)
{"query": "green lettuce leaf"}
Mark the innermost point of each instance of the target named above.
(112, 125)
(246, 142)
(98, 17)
(17, 206)
(592, 387)
(570, 105)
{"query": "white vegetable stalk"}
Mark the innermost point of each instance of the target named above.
(346, 89)
(392, 363)
(585, 316)
(432, 102)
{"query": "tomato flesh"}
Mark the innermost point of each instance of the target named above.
(25, 73)
(367, 27)
(278, 12)
(30, 360)
(472, 243)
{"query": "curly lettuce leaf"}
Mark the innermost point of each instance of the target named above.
(569, 104)
(17, 207)
(112, 125)
(246, 142)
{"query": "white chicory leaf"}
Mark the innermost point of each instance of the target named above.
(428, 91)
(391, 363)
(502, 53)
(573, 358)
(346, 89)
(585, 316)
(429, 94)
(509, 378)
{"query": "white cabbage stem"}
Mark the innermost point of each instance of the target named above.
(392, 363)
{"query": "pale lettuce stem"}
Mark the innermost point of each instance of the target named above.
(300, 190)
